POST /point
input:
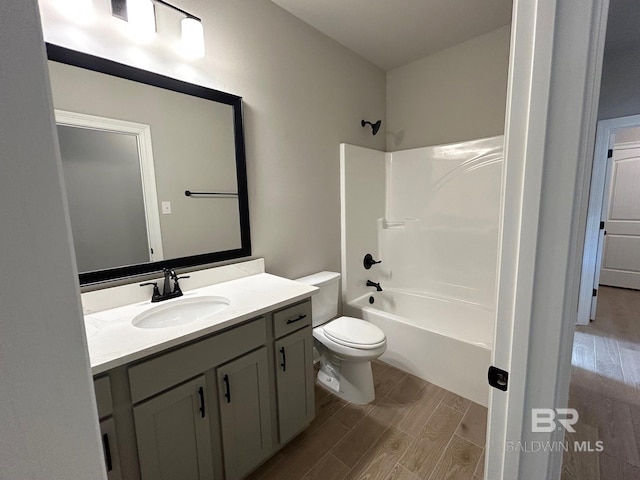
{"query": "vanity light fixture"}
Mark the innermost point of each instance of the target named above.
(192, 37)
(142, 18)
(192, 44)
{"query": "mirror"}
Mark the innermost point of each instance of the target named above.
(154, 168)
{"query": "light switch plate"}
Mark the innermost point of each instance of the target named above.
(166, 208)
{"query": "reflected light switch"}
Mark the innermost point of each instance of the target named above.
(166, 208)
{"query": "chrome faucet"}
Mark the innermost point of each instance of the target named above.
(374, 284)
(167, 291)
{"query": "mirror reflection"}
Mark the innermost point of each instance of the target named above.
(105, 195)
(154, 177)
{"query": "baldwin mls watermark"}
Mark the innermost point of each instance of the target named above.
(546, 420)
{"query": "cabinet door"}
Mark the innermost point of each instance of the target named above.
(110, 447)
(173, 434)
(244, 412)
(294, 382)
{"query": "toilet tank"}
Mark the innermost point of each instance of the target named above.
(324, 304)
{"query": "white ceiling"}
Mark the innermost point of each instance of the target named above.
(391, 33)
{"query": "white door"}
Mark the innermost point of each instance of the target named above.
(600, 178)
(598, 210)
(82, 164)
(621, 257)
(552, 103)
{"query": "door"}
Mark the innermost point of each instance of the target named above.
(294, 383)
(600, 180)
(173, 433)
(624, 131)
(552, 102)
(621, 257)
(243, 392)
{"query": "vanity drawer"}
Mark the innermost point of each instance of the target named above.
(102, 389)
(169, 369)
(292, 318)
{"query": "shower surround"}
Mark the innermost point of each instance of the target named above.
(432, 216)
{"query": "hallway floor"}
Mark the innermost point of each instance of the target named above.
(413, 430)
(605, 389)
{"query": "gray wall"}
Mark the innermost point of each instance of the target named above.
(48, 415)
(454, 95)
(620, 87)
(304, 94)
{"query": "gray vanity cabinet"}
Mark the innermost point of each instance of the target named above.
(294, 382)
(213, 408)
(173, 434)
(243, 396)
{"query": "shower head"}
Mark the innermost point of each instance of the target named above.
(374, 126)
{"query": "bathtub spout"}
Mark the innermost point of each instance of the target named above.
(374, 284)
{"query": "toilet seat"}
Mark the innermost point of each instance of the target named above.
(354, 333)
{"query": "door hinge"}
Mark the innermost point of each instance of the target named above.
(610, 153)
(601, 225)
(498, 378)
(595, 292)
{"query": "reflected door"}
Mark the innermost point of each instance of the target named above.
(105, 196)
(621, 258)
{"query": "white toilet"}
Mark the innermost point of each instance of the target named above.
(346, 345)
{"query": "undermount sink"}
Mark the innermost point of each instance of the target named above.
(180, 312)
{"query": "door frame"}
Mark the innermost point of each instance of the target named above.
(592, 255)
(142, 133)
(555, 68)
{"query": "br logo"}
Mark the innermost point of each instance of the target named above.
(547, 419)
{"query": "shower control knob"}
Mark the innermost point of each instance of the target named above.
(368, 261)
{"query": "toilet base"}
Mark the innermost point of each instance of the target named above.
(351, 381)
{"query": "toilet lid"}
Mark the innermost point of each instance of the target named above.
(354, 332)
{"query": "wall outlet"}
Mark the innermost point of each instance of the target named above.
(166, 208)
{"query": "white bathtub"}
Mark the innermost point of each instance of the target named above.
(445, 342)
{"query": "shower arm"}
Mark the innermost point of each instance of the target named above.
(374, 126)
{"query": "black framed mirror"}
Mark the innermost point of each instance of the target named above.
(188, 203)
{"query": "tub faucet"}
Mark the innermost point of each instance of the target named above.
(374, 284)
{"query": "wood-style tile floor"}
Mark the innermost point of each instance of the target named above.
(413, 430)
(605, 389)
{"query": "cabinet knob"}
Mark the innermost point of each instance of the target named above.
(284, 360)
(201, 393)
(297, 319)
(227, 393)
(107, 452)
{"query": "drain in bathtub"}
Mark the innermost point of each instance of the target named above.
(371, 299)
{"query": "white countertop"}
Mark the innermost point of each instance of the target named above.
(113, 341)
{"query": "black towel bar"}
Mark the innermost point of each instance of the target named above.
(189, 193)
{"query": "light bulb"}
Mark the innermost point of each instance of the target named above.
(192, 38)
(141, 18)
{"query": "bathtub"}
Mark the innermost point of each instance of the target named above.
(445, 342)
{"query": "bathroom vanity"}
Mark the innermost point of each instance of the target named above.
(210, 398)
(210, 384)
